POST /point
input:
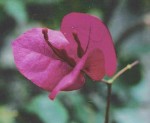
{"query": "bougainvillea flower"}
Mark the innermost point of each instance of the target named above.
(58, 60)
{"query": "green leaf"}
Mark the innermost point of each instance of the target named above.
(82, 110)
(96, 12)
(132, 115)
(7, 115)
(49, 111)
(44, 1)
(16, 9)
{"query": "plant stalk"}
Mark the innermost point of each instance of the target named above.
(109, 88)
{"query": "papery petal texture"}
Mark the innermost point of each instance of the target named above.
(36, 61)
(95, 66)
(71, 81)
(58, 60)
(93, 34)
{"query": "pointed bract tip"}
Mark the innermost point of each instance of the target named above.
(44, 30)
(45, 33)
(53, 94)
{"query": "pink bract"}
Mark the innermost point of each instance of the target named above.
(92, 31)
(58, 60)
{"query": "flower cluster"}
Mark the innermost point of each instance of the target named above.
(58, 60)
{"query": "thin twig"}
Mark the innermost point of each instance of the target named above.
(109, 86)
(104, 81)
(129, 66)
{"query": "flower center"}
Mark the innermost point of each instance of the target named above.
(80, 50)
(61, 53)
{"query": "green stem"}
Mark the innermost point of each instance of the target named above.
(129, 66)
(109, 86)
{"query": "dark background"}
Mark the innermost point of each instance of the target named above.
(129, 24)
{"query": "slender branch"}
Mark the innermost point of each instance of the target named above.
(105, 81)
(109, 86)
(129, 66)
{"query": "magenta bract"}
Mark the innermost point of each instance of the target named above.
(58, 60)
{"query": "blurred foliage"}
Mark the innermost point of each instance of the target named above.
(48, 110)
(129, 24)
(7, 115)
